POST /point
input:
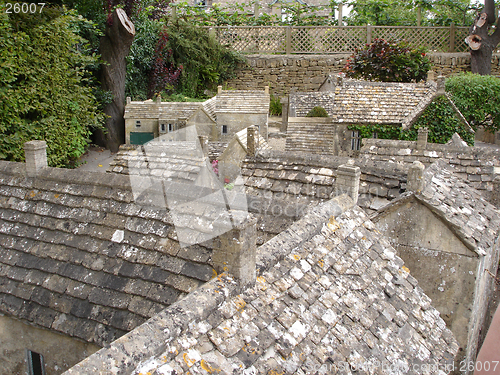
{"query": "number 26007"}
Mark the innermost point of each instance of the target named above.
(23, 7)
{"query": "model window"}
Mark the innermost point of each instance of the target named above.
(163, 128)
(224, 129)
(137, 124)
(36, 366)
(355, 141)
(170, 128)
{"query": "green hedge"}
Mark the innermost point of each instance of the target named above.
(42, 88)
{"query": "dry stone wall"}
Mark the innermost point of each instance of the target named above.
(284, 73)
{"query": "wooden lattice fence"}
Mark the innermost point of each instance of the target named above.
(332, 39)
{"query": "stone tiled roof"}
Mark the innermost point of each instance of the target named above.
(209, 107)
(330, 292)
(363, 102)
(474, 220)
(305, 178)
(242, 101)
(261, 142)
(179, 161)
(165, 110)
(80, 255)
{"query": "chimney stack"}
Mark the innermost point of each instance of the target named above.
(348, 180)
(35, 153)
(237, 251)
(415, 183)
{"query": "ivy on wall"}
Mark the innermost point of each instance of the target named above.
(439, 117)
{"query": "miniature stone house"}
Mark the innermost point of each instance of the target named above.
(237, 150)
(85, 256)
(147, 120)
(447, 234)
(219, 118)
(238, 109)
(354, 102)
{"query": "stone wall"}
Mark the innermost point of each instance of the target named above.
(60, 352)
(478, 165)
(307, 72)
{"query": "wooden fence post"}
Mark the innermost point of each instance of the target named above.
(369, 34)
(452, 37)
(289, 40)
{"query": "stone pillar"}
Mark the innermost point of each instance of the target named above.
(440, 85)
(36, 156)
(422, 138)
(430, 75)
(219, 89)
(203, 144)
(284, 114)
(129, 100)
(415, 183)
(158, 99)
(252, 140)
(237, 252)
(348, 180)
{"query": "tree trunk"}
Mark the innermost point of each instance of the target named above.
(114, 47)
(481, 43)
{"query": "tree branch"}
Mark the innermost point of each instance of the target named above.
(495, 37)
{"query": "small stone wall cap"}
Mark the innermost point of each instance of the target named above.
(35, 145)
(418, 164)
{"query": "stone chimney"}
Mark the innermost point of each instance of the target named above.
(284, 114)
(266, 90)
(35, 153)
(203, 144)
(158, 99)
(236, 253)
(252, 140)
(422, 138)
(440, 86)
(348, 180)
(415, 183)
(430, 75)
(129, 100)
(219, 89)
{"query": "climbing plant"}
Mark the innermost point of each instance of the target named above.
(439, 117)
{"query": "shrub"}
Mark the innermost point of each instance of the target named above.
(478, 98)
(317, 112)
(44, 91)
(275, 106)
(388, 62)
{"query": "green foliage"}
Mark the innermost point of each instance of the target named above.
(205, 62)
(381, 131)
(442, 121)
(478, 98)
(388, 62)
(439, 117)
(42, 87)
(275, 108)
(241, 13)
(317, 112)
(398, 13)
